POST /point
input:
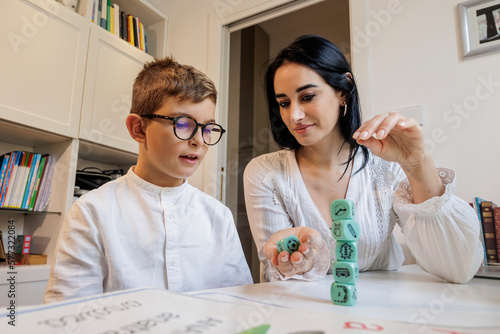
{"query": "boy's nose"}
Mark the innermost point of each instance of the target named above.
(197, 139)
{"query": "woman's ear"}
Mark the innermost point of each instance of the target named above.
(348, 76)
(136, 127)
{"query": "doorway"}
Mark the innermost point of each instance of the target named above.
(250, 51)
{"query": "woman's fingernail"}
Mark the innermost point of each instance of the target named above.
(363, 135)
(402, 123)
(284, 258)
(300, 260)
(380, 134)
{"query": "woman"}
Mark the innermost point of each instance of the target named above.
(382, 165)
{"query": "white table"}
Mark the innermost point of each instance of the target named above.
(407, 295)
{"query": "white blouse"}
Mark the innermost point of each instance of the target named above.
(442, 233)
(130, 233)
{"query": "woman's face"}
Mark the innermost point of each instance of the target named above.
(309, 106)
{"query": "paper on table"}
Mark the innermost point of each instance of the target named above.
(160, 311)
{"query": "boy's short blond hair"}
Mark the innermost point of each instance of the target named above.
(163, 78)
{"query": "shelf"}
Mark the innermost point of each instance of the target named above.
(26, 212)
(155, 22)
(14, 133)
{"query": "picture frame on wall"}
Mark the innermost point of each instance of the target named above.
(479, 27)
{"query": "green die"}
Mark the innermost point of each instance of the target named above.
(346, 251)
(345, 272)
(345, 230)
(342, 209)
(290, 244)
(343, 294)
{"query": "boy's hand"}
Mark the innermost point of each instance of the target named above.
(300, 261)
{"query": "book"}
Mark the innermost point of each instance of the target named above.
(104, 10)
(108, 16)
(7, 177)
(3, 255)
(41, 169)
(116, 19)
(141, 35)
(489, 231)
(99, 10)
(123, 26)
(130, 29)
(45, 184)
(28, 192)
(23, 244)
(135, 31)
(23, 179)
(496, 218)
(477, 206)
(3, 169)
(14, 176)
(111, 21)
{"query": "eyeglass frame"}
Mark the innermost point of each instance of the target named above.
(176, 119)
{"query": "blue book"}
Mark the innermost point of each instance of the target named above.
(3, 169)
(15, 156)
(31, 180)
(477, 204)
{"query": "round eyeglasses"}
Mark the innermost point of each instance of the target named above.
(185, 127)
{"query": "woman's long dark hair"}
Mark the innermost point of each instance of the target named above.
(327, 61)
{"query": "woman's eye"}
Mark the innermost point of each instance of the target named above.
(283, 104)
(308, 97)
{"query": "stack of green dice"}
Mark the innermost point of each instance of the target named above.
(345, 230)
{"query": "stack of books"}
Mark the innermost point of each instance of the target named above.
(25, 180)
(489, 216)
(123, 25)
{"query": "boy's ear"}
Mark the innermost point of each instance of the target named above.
(136, 127)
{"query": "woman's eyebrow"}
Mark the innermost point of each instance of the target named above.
(298, 90)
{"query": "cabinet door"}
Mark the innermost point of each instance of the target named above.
(112, 66)
(42, 65)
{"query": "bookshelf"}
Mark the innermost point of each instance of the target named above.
(57, 88)
(154, 21)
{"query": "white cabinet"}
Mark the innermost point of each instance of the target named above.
(65, 89)
(42, 65)
(112, 65)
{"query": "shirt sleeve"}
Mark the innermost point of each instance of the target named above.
(236, 271)
(79, 266)
(442, 232)
(267, 214)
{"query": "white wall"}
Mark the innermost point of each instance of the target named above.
(414, 58)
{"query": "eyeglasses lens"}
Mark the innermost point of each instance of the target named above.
(185, 128)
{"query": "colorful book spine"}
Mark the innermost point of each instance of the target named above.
(8, 175)
(40, 172)
(496, 218)
(116, 19)
(31, 181)
(130, 29)
(23, 179)
(14, 176)
(104, 15)
(3, 170)
(489, 231)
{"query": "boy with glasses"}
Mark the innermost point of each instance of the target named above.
(150, 228)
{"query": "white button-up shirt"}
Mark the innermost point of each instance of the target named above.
(130, 233)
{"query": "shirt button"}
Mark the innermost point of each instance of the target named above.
(173, 263)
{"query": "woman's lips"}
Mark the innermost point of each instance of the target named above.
(302, 128)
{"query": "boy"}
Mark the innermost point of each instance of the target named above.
(150, 228)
